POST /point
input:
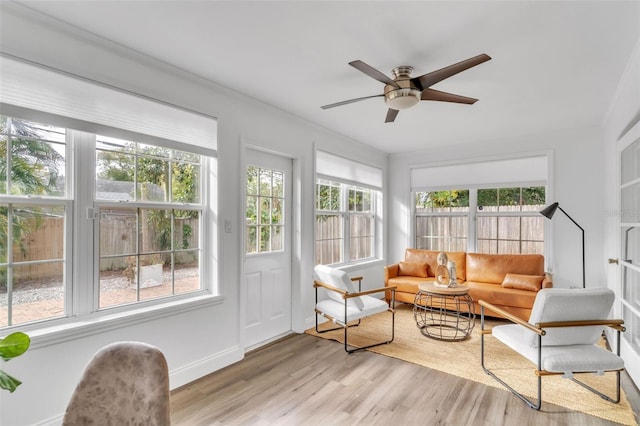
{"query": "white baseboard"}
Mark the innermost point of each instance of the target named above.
(190, 372)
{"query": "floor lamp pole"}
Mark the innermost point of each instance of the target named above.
(548, 212)
(583, 260)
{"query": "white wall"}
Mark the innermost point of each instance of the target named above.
(207, 337)
(576, 182)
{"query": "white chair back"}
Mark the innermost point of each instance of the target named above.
(560, 304)
(339, 279)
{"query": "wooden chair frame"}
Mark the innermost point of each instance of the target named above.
(539, 329)
(343, 322)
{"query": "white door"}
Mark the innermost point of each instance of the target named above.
(629, 232)
(266, 285)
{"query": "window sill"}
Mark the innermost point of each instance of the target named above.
(74, 328)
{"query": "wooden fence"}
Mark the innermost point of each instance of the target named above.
(118, 236)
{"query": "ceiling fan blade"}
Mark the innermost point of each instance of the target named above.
(373, 73)
(391, 115)
(349, 101)
(437, 95)
(429, 79)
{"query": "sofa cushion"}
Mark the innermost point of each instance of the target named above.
(414, 269)
(523, 282)
(492, 268)
(500, 296)
(407, 284)
(431, 258)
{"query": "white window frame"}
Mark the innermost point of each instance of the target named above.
(345, 215)
(81, 245)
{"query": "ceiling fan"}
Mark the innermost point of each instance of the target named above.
(404, 91)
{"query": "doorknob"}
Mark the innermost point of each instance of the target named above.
(613, 261)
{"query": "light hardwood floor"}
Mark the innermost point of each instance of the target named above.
(304, 380)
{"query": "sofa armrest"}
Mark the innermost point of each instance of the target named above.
(547, 282)
(390, 271)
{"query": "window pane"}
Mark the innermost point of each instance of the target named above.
(118, 231)
(509, 228)
(37, 167)
(265, 238)
(151, 177)
(276, 211)
(487, 227)
(39, 233)
(153, 281)
(3, 161)
(630, 198)
(277, 238)
(187, 271)
(265, 211)
(265, 182)
(329, 239)
(186, 229)
(115, 170)
(533, 198)
(37, 294)
(252, 180)
(185, 183)
(443, 201)
(488, 200)
(361, 237)
(251, 211)
(632, 323)
(155, 230)
(117, 281)
(447, 233)
(278, 184)
(252, 239)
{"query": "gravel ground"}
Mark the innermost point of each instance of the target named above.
(39, 290)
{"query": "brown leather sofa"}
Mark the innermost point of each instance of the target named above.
(509, 281)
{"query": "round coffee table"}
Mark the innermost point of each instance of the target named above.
(444, 313)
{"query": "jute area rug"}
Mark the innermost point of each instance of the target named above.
(462, 359)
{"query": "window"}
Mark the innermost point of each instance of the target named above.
(490, 220)
(348, 210)
(264, 212)
(345, 222)
(149, 211)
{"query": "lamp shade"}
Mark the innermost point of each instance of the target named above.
(549, 211)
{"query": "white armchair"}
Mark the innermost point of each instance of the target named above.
(561, 337)
(346, 306)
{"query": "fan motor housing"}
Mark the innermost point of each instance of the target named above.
(407, 95)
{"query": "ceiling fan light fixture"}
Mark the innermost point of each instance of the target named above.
(400, 99)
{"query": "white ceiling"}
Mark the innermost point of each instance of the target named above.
(555, 64)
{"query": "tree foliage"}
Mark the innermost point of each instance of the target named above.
(494, 197)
